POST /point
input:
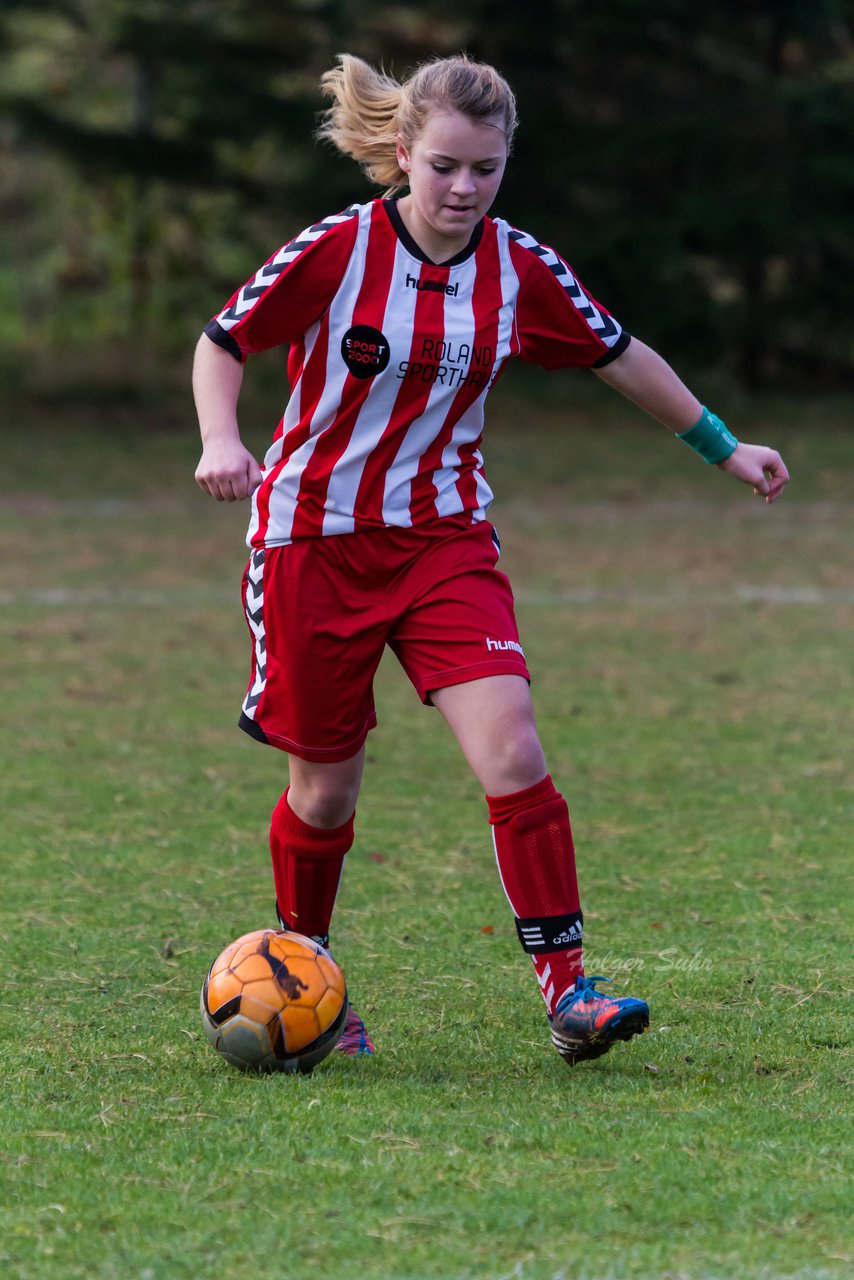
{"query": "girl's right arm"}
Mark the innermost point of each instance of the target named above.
(226, 470)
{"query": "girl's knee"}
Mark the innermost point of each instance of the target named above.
(515, 763)
(324, 795)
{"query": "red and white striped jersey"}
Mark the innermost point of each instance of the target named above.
(391, 358)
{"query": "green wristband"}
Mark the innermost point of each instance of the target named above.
(710, 438)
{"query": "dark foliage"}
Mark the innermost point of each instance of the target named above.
(693, 162)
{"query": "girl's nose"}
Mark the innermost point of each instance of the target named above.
(463, 183)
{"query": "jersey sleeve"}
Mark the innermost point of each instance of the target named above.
(290, 292)
(559, 324)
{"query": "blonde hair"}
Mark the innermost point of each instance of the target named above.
(370, 109)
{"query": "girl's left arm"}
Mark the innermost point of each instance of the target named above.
(642, 376)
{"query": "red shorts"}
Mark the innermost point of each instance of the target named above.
(321, 611)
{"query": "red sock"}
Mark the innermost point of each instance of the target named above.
(307, 864)
(536, 862)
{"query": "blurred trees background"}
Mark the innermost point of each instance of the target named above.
(695, 163)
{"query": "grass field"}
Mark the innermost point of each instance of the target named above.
(691, 651)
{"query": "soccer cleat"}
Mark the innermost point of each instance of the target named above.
(586, 1023)
(354, 1038)
(322, 938)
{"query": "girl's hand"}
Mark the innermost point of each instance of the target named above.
(759, 466)
(228, 471)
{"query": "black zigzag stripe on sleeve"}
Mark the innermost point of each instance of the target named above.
(270, 272)
(604, 326)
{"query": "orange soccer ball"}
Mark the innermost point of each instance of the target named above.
(274, 1001)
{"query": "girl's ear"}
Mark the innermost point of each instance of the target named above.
(402, 154)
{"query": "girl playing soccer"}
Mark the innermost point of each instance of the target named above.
(369, 517)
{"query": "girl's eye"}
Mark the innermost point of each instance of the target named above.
(447, 168)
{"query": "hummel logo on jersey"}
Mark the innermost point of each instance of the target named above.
(432, 286)
(505, 645)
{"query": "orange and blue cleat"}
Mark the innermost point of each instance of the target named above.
(586, 1023)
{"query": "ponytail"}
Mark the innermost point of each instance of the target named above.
(370, 109)
(362, 121)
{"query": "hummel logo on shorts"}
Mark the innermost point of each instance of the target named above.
(505, 644)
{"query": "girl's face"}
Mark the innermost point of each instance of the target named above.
(455, 168)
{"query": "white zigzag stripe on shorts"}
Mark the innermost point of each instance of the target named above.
(254, 610)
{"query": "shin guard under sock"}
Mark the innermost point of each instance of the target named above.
(536, 862)
(307, 865)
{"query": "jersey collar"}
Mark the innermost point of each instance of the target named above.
(390, 206)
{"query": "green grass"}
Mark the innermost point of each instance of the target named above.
(691, 651)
